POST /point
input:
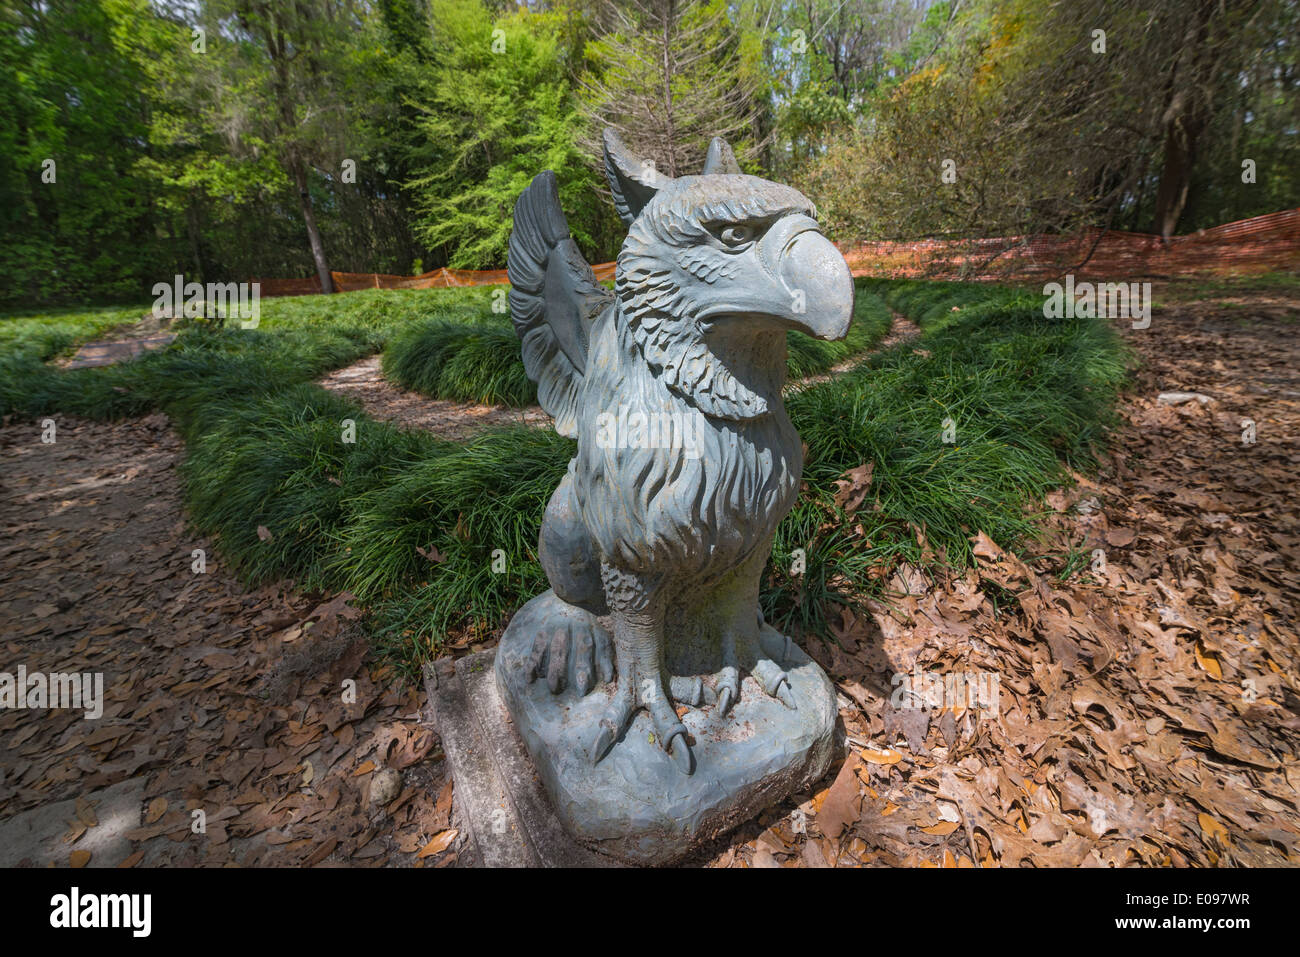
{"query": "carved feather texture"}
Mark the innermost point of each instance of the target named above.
(553, 299)
(690, 513)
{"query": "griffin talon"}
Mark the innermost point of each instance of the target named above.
(681, 754)
(724, 701)
(605, 738)
(786, 696)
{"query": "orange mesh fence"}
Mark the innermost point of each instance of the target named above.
(1261, 244)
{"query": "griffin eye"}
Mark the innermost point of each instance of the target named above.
(737, 235)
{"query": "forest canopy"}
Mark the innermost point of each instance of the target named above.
(235, 139)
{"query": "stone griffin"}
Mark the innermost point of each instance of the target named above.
(654, 552)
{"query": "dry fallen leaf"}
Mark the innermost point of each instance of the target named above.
(853, 487)
(439, 844)
(887, 756)
(1208, 662)
(1120, 537)
(840, 808)
(943, 828)
(156, 809)
(79, 858)
(431, 554)
(86, 813)
(1212, 829)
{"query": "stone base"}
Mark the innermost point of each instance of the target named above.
(635, 805)
(501, 808)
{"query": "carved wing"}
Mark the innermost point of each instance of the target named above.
(554, 298)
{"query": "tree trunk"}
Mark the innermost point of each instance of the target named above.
(192, 227)
(313, 234)
(1186, 116)
(670, 131)
(1175, 174)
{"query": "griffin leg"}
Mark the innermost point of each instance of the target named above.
(577, 652)
(637, 605)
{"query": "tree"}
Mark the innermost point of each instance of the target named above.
(494, 110)
(77, 214)
(1050, 117)
(671, 74)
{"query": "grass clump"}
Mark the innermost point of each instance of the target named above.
(480, 362)
(806, 356)
(408, 523)
(469, 363)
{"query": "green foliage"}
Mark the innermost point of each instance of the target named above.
(1030, 399)
(73, 207)
(1042, 130)
(408, 128)
(481, 362)
(806, 356)
(495, 110)
(670, 77)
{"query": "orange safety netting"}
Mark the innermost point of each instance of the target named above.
(1260, 244)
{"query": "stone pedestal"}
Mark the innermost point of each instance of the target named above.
(635, 805)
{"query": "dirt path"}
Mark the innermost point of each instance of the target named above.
(364, 382)
(215, 699)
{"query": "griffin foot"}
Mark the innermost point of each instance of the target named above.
(576, 653)
(770, 676)
(670, 733)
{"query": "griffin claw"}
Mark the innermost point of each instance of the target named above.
(775, 682)
(728, 689)
(681, 752)
(724, 701)
(606, 735)
(612, 724)
(786, 696)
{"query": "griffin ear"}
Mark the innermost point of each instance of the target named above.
(720, 158)
(633, 181)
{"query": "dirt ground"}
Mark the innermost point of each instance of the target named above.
(364, 382)
(1145, 710)
(221, 700)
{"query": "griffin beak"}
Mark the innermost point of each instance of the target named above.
(814, 274)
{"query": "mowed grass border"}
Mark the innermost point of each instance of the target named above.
(411, 524)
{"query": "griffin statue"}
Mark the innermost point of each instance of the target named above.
(655, 541)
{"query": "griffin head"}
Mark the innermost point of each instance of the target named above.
(714, 270)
